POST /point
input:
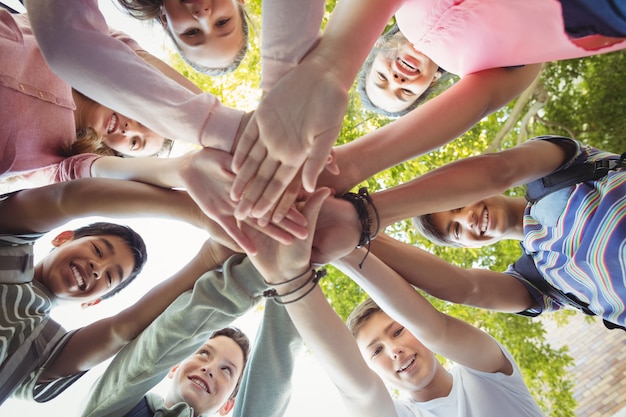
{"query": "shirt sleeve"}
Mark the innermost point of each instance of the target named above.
(543, 302)
(217, 299)
(76, 42)
(290, 29)
(265, 389)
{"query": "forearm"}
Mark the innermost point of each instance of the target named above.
(352, 30)
(162, 172)
(332, 343)
(74, 38)
(429, 127)
(479, 288)
(467, 180)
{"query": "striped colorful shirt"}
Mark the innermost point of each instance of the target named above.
(28, 337)
(584, 252)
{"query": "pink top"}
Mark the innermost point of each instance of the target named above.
(37, 117)
(465, 36)
(74, 37)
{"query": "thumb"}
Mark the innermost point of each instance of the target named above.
(313, 206)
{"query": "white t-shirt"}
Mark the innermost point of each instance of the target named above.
(478, 394)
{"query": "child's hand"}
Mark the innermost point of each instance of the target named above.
(294, 128)
(278, 262)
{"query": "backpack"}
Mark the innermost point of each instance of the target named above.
(541, 187)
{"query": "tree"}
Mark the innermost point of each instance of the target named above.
(577, 98)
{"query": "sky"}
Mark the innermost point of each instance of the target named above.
(171, 244)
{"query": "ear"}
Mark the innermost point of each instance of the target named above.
(62, 238)
(91, 303)
(228, 405)
(163, 18)
(172, 371)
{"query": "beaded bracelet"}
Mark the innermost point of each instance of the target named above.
(362, 202)
(312, 281)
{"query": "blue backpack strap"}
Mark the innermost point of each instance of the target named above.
(568, 177)
(525, 265)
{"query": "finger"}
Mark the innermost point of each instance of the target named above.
(294, 229)
(273, 231)
(230, 226)
(248, 170)
(286, 201)
(274, 190)
(256, 188)
(316, 161)
(248, 139)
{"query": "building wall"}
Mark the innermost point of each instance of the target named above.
(600, 364)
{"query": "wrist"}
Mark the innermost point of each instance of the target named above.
(293, 289)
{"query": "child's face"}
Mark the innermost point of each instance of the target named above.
(395, 354)
(118, 132)
(483, 223)
(208, 32)
(206, 379)
(87, 267)
(399, 75)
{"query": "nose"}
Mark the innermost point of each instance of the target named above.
(208, 371)
(96, 270)
(466, 217)
(395, 352)
(399, 78)
(200, 9)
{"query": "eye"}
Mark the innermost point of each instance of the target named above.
(398, 332)
(98, 251)
(456, 231)
(109, 280)
(408, 92)
(204, 352)
(381, 76)
(377, 351)
(222, 22)
(134, 143)
(227, 370)
(191, 32)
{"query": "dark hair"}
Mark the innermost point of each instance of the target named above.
(437, 87)
(242, 340)
(425, 225)
(135, 243)
(361, 314)
(151, 10)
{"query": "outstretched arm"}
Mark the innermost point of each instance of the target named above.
(443, 334)
(74, 38)
(298, 121)
(99, 341)
(429, 126)
(480, 288)
(321, 329)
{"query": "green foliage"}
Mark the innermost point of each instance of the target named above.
(584, 100)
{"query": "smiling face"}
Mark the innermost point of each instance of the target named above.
(85, 268)
(209, 32)
(399, 75)
(207, 379)
(395, 354)
(482, 223)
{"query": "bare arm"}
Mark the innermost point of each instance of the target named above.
(99, 341)
(480, 288)
(450, 337)
(430, 126)
(321, 329)
(468, 180)
(42, 209)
